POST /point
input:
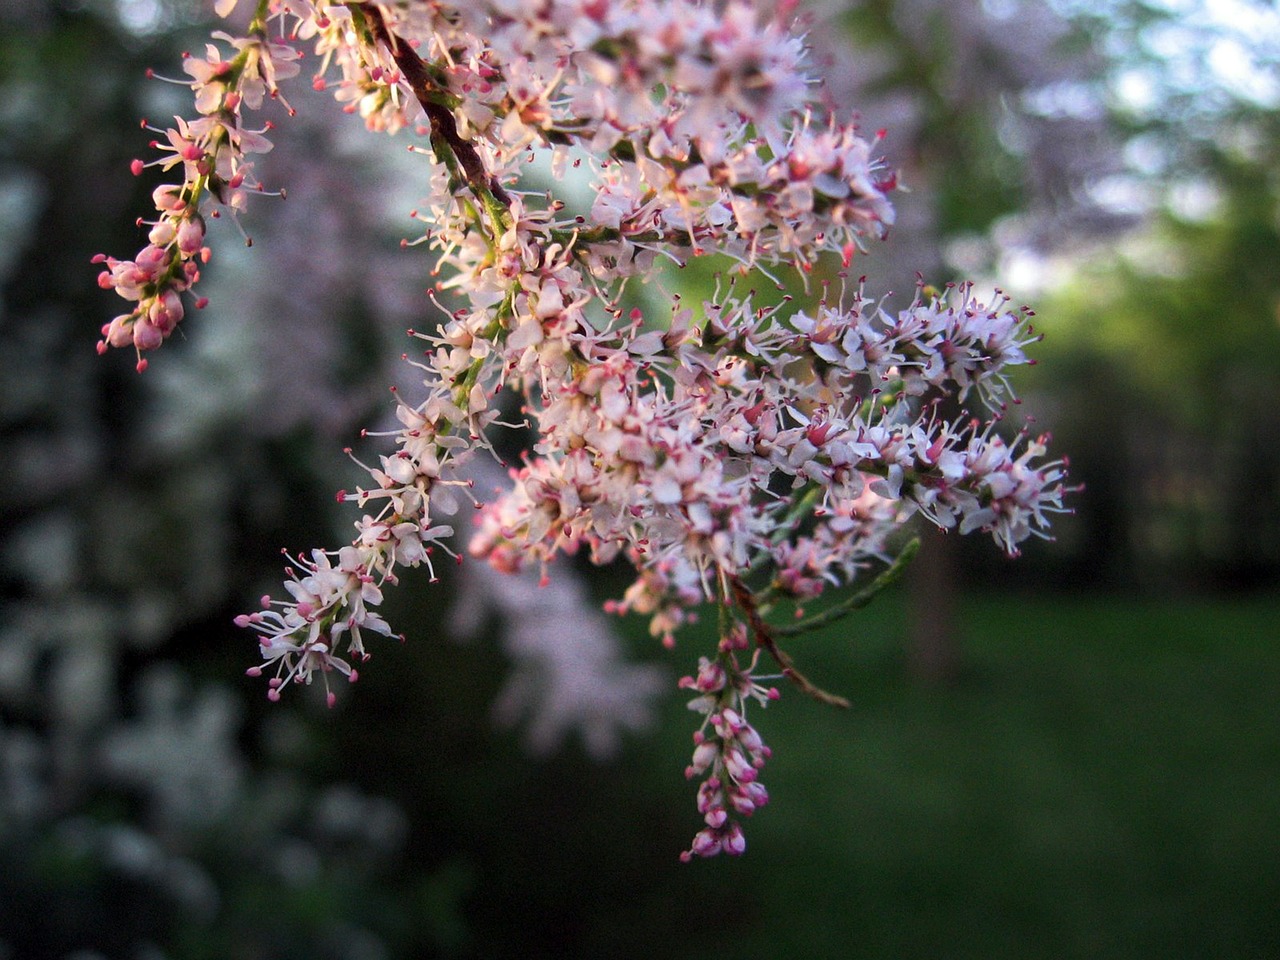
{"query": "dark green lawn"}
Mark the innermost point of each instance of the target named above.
(1103, 781)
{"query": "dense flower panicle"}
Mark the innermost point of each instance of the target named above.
(737, 454)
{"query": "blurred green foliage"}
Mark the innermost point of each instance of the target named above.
(1162, 356)
(1189, 306)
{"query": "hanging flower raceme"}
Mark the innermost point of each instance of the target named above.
(210, 152)
(744, 457)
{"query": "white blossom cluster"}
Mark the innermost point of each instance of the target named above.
(736, 454)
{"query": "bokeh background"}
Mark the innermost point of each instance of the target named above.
(1074, 754)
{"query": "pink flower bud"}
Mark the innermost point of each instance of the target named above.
(146, 336)
(151, 259)
(166, 310)
(748, 737)
(755, 792)
(738, 766)
(162, 233)
(190, 236)
(705, 844)
(704, 755)
(734, 843)
(710, 796)
(729, 723)
(119, 332)
(710, 676)
(168, 198)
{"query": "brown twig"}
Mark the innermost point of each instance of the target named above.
(443, 125)
(764, 640)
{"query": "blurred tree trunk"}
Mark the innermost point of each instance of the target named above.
(934, 650)
(933, 634)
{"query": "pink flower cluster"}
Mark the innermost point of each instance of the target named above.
(210, 151)
(727, 749)
(736, 453)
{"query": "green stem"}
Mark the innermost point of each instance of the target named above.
(856, 601)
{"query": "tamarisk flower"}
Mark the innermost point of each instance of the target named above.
(738, 455)
(328, 601)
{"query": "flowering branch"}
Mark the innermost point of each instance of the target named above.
(711, 447)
